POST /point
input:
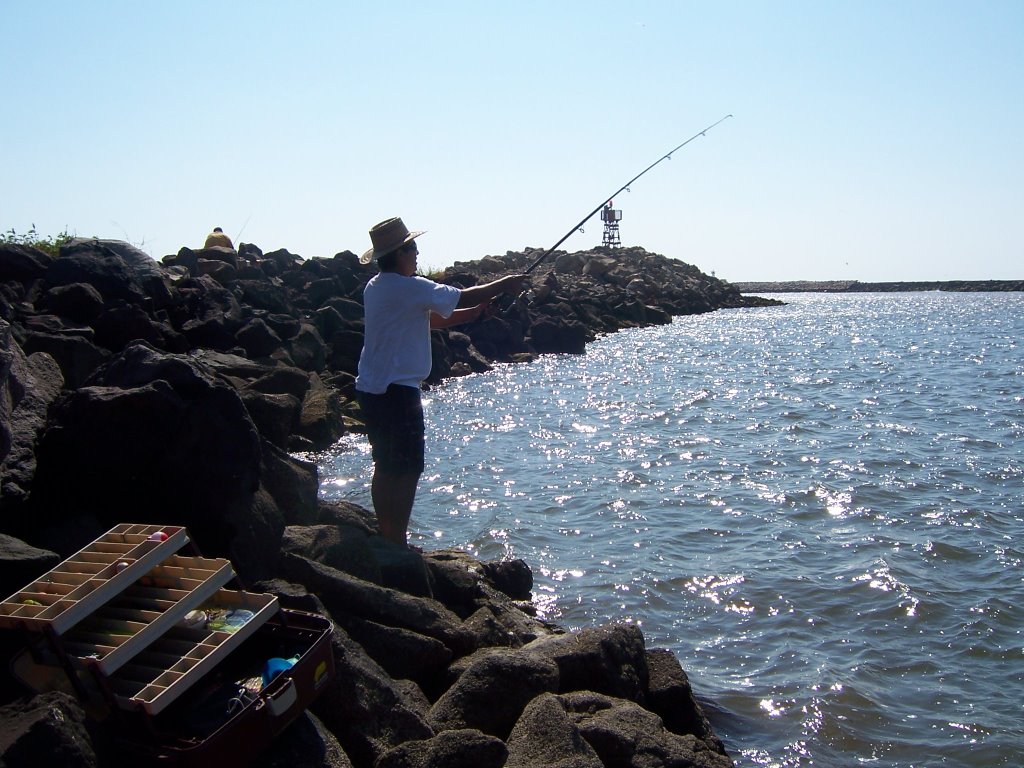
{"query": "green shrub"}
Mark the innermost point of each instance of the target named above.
(49, 243)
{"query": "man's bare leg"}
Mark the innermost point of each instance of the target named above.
(393, 495)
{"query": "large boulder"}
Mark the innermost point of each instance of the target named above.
(609, 659)
(21, 563)
(156, 439)
(493, 692)
(75, 353)
(321, 418)
(22, 262)
(559, 334)
(306, 743)
(102, 265)
(670, 696)
(364, 708)
(28, 386)
(342, 593)
(79, 302)
(49, 730)
(624, 733)
(545, 737)
(465, 748)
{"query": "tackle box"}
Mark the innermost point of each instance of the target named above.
(151, 636)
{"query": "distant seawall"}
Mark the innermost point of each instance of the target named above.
(856, 286)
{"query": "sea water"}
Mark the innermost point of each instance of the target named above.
(818, 507)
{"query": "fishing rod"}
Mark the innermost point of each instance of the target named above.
(606, 200)
(246, 224)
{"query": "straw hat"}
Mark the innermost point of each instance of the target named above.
(388, 236)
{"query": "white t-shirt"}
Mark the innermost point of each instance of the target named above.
(396, 347)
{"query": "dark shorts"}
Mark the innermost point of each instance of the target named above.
(394, 425)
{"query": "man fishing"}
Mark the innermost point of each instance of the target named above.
(400, 309)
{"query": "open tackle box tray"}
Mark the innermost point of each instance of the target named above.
(140, 632)
(66, 594)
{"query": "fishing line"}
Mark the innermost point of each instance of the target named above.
(608, 199)
(242, 229)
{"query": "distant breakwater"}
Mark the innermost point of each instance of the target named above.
(178, 392)
(856, 286)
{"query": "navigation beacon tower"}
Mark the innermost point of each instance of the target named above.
(611, 218)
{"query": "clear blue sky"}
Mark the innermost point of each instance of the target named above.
(870, 140)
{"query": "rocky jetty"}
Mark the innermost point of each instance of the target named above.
(182, 392)
(856, 286)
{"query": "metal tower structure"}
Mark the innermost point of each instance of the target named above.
(611, 218)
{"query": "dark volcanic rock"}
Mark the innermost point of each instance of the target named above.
(22, 263)
(156, 439)
(20, 563)
(545, 737)
(493, 691)
(620, 731)
(610, 660)
(364, 708)
(28, 385)
(670, 696)
(49, 730)
(465, 748)
(306, 743)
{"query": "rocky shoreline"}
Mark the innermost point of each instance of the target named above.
(179, 393)
(856, 286)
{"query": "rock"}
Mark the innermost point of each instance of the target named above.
(291, 482)
(342, 593)
(455, 577)
(220, 271)
(79, 302)
(49, 730)
(363, 708)
(282, 380)
(119, 326)
(291, 595)
(308, 349)
(28, 386)
(321, 417)
(342, 547)
(275, 415)
(464, 748)
(493, 691)
(623, 733)
(307, 743)
(350, 310)
(76, 355)
(670, 696)
(95, 263)
(513, 577)
(402, 653)
(22, 262)
(500, 622)
(21, 563)
(545, 737)
(609, 659)
(257, 338)
(269, 295)
(401, 568)
(154, 439)
(548, 335)
(468, 587)
(219, 253)
(569, 264)
(347, 514)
